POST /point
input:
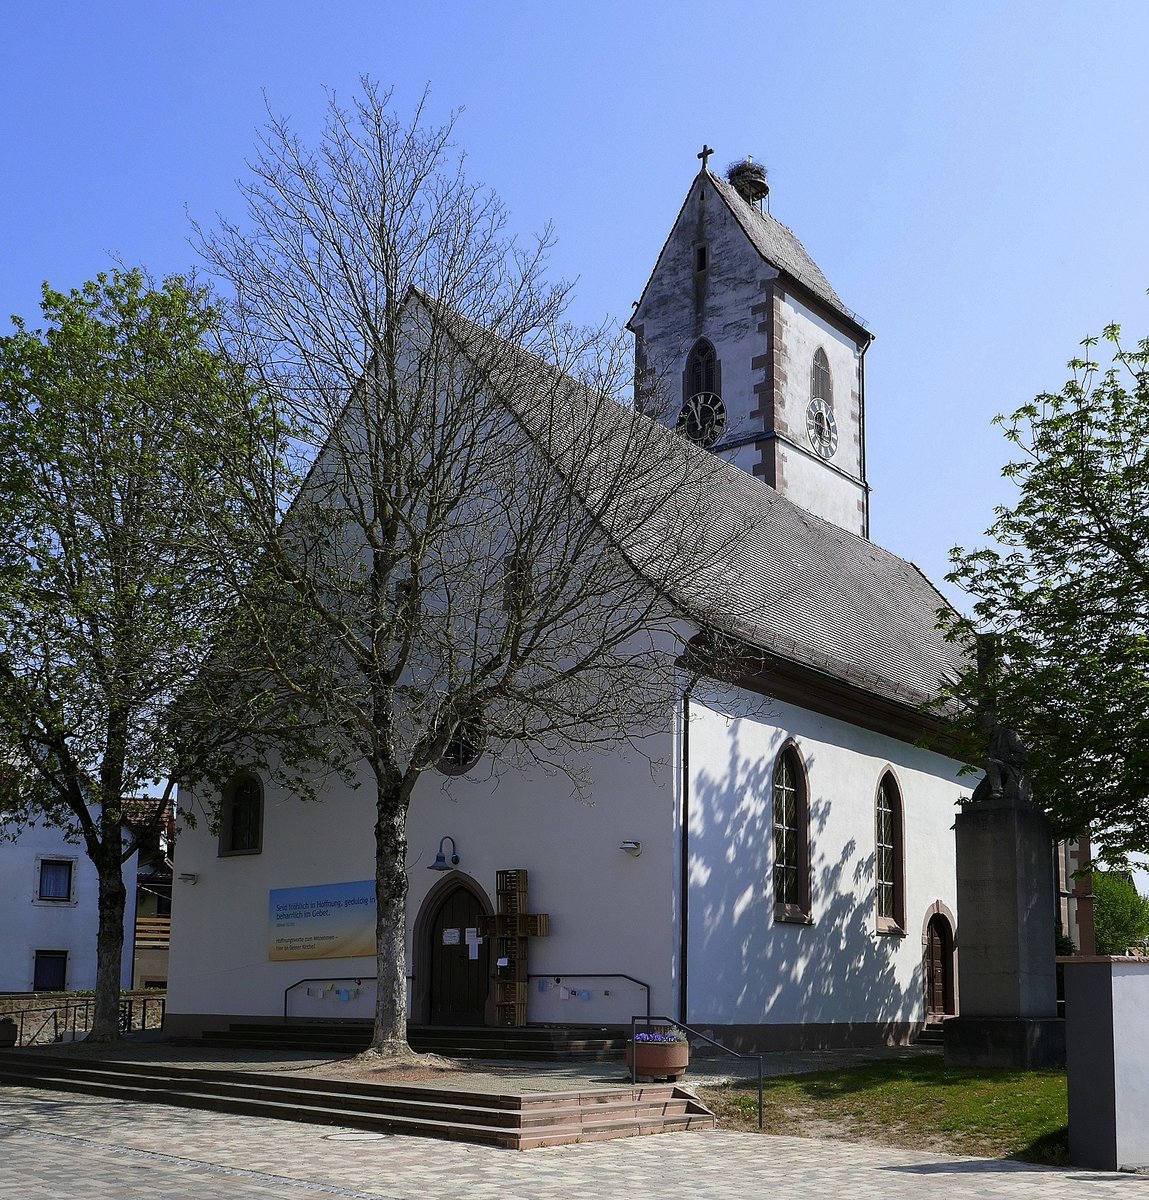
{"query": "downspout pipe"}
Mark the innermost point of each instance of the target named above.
(862, 433)
(684, 865)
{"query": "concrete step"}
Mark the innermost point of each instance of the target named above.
(519, 1121)
(530, 1043)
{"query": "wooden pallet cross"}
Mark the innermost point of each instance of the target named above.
(511, 926)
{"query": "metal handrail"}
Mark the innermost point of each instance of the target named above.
(559, 976)
(71, 1011)
(325, 979)
(649, 1020)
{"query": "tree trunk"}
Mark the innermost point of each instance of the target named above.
(390, 1036)
(109, 947)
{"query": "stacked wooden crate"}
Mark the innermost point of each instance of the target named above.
(512, 926)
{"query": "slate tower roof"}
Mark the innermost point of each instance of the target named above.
(777, 244)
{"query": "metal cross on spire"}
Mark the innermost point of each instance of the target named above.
(705, 154)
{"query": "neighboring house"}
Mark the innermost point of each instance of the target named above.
(784, 875)
(48, 907)
(153, 918)
(1075, 894)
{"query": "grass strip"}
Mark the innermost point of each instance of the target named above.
(914, 1103)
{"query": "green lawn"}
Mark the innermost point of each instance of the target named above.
(917, 1103)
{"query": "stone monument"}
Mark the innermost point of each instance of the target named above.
(1006, 904)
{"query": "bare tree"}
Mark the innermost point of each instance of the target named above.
(492, 550)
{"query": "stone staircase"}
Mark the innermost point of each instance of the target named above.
(519, 1122)
(532, 1043)
(931, 1034)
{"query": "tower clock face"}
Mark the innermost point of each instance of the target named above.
(702, 419)
(821, 428)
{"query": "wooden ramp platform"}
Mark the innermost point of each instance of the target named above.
(519, 1122)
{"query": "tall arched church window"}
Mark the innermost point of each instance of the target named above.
(241, 816)
(889, 858)
(703, 416)
(821, 387)
(702, 369)
(821, 428)
(791, 840)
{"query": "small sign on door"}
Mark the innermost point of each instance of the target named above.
(451, 937)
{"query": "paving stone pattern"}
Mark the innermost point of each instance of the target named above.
(57, 1146)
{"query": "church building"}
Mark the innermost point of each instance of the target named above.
(784, 875)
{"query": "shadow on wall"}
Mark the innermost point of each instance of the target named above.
(746, 968)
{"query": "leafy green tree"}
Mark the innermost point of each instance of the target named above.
(1120, 913)
(114, 420)
(1063, 594)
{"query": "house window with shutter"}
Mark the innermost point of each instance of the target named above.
(50, 971)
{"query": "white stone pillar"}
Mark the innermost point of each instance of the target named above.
(1107, 1055)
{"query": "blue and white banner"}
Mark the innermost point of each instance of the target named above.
(331, 920)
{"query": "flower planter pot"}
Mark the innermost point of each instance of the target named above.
(658, 1060)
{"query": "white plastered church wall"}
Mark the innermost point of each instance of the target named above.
(746, 968)
(804, 477)
(609, 912)
(220, 930)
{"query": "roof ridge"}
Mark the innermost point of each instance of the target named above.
(792, 259)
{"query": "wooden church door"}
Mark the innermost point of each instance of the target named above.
(459, 983)
(939, 967)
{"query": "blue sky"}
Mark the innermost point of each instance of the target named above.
(971, 177)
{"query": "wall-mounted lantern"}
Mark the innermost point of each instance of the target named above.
(440, 863)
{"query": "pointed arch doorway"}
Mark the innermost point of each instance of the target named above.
(452, 981)
(938, 964)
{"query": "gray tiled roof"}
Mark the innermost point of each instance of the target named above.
(774, 575)
(815, 594)
(779, 246)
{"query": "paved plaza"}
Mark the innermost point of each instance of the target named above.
(60, 1146)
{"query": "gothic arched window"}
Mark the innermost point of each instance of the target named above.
(889, 858)
(703, 416)
(821, 427)
(821, 387)
(791, 839)
(702, 370)
(241, 817)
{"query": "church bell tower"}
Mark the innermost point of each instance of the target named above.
(743, 347)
